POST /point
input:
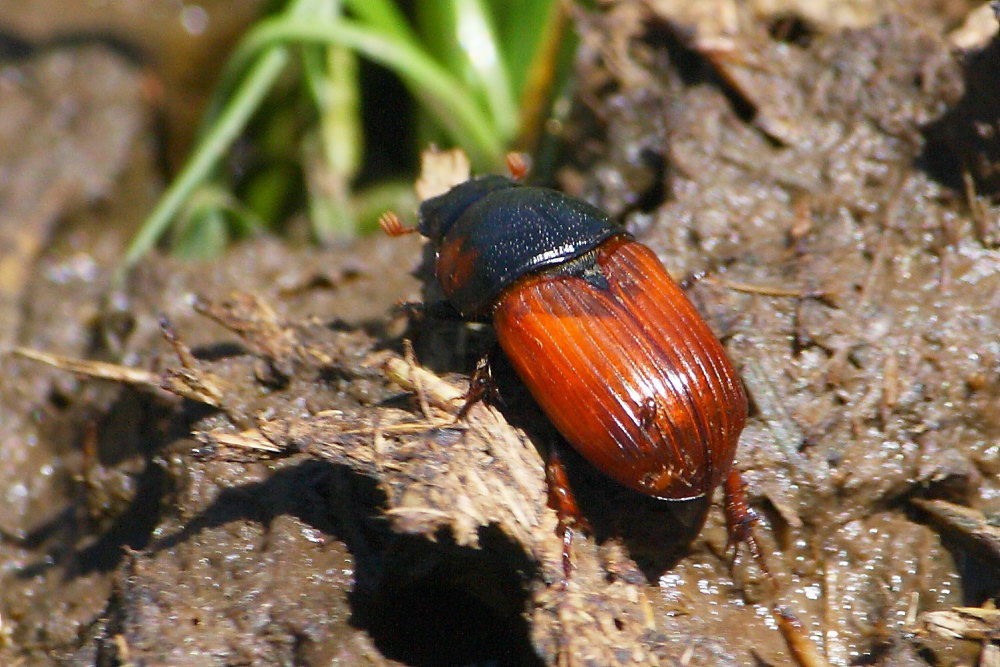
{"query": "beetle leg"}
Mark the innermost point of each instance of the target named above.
(740, 520)
(482, 385)
(563, 501)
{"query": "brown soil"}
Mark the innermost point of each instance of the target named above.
(299, 506)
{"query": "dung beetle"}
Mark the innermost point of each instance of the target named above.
(607, 343)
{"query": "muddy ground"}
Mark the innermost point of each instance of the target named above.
(833, 176)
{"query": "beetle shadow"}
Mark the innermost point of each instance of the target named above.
(955, 145)
(656, 533)
(423, 599)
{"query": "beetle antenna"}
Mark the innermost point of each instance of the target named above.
(518, 165)
(393, 226)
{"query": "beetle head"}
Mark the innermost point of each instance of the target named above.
(438, 214)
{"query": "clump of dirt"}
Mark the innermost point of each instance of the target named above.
(275, 480)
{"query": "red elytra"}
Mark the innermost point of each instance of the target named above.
(630, 373)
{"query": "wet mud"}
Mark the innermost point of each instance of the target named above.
(283, 483)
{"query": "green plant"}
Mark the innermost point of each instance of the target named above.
(482, 73)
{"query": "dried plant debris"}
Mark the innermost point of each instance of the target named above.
(965, 623)
(440, 171)
(978, 29)
(970, 524)
(980, 625)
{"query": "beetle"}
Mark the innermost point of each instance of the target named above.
(609, 346)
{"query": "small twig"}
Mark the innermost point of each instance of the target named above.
(93, 369)
(439, 393)
(762, 290)
(977, 209)
(252, 439)
(418, 379)
(181, 349)
(969, 523)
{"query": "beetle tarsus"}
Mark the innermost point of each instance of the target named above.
(563, 501)
(740, 520)
(567, 552)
